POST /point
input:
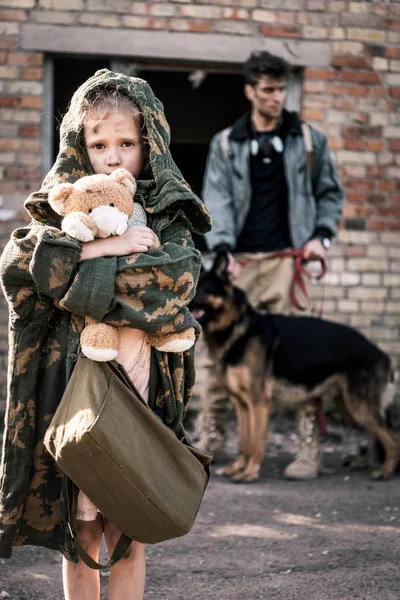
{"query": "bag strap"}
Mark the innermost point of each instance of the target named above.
(306, 131)
(224, 141)
(120, 549)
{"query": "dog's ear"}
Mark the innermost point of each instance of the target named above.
(220, 266)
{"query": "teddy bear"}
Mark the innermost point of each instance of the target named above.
(97, 206)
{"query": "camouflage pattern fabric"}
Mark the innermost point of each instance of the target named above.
(149, 291)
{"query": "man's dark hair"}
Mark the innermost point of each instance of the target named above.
(264, 63)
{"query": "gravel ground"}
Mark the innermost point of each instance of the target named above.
(335, 538)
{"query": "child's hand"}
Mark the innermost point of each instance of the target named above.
(136, 238)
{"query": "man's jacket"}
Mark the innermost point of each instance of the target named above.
(314, 198)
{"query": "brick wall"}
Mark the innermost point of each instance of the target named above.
(354, 99)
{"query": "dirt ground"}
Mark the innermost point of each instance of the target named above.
(336, 538)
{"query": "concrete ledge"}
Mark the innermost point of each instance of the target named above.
(164, 45)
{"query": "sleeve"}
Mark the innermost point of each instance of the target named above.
(149, 291)
(327, 189)
(36, 267)
(217, 195)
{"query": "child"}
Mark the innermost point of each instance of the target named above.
(52, 282)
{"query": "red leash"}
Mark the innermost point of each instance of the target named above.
(299, 273)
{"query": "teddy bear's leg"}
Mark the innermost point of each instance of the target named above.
(100, 342)
(173, 342)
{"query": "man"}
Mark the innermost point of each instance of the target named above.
(265, 196)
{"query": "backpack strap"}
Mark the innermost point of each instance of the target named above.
(306, 131)
(224, 141)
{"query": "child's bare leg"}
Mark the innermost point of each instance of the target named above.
(81, 582)
(127, 577)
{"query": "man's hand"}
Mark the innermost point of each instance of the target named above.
(314, 250)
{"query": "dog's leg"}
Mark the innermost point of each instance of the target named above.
(373, 423)
(243, 440)
(362, 462)
(258, 420)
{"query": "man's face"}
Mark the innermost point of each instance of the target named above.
(267, 96)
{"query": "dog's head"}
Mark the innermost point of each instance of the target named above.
(215, 304)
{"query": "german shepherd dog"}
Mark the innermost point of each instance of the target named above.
(271, 358)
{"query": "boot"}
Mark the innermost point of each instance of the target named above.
(307, 464)
(211, 436)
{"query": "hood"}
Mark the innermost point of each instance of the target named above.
(167, 191)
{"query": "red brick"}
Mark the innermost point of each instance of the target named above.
(362, 184)
(353, 144)
(26, 59)
(313, 114)
(394, 225)
(390, 185)
(23, 173)
(356, 197)
(377, 198)
(335, 143)
(392, 24)
(30, 131)
(376, 172)
(362, 130)
(9, 101)
(199, 26)
(389, 211)
(13, 15)
(345, 104)
(376, 145)
(355, 251)
(395, 91)
(394, 145)
(361, 76)
(32, 73)
(7, 144)
(336, 90)
(392, 51)
(356, 90)
(345, 60)
(328, 74)
(376, 224)
(377, 91)
(31, 102)
(394, 197)
(7, 44)
(280, 31)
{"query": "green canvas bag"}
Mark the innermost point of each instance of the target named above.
(140, 475)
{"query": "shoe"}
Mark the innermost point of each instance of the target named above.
(307, 464)
(211, 438)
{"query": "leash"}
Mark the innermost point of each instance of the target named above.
(298, 281)
(299, 272)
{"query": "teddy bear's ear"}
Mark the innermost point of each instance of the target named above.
(58, 195)
(125, 178)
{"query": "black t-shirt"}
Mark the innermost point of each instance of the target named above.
(266, 228)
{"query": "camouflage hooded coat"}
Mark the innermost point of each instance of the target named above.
(148, 291)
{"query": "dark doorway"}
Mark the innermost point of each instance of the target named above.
(195, 115)
(194, 112)
(69, 74)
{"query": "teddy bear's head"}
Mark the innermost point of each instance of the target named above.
(95, 205)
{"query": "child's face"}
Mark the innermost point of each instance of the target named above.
(115, 142)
